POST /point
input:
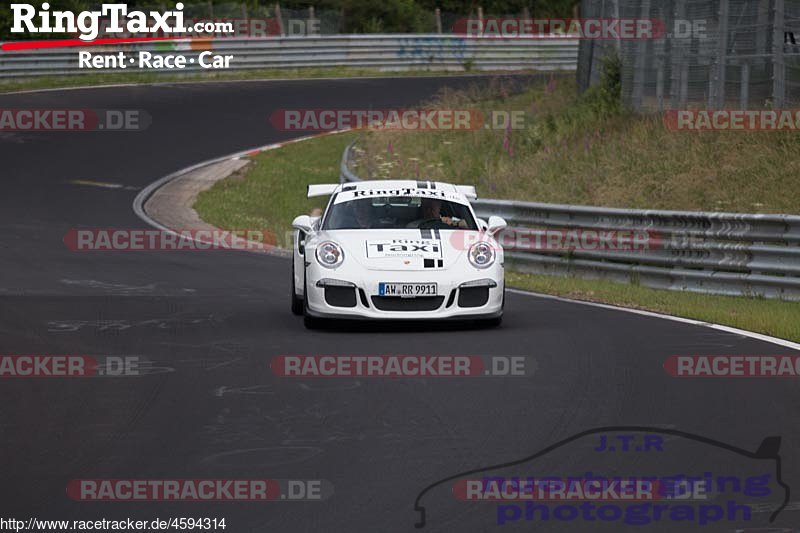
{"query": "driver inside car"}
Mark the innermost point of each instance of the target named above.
(362, 214)
(431, 210)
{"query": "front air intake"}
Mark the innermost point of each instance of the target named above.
(340, 296)
(473, 296)
(396, 303)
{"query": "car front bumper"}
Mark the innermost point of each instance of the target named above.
(342, 293)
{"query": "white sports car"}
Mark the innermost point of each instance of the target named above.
(397, 249)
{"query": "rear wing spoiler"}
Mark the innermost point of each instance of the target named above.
(325, 189)
(468, 191)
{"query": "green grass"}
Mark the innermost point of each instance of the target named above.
(584, 150)
(771, 317)
(84, 80)
(273, 192)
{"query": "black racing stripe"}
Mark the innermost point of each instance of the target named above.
(426, 233)
(422, 185)
(436, 234)
(428, 263)
(433, 184)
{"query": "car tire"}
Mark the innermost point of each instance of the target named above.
(493, 322)
(496, 321)
(297, 302)
(309, 321)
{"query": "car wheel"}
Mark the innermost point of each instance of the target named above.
(297, 302)
(496, 321)
(311, 322)
(493, 322)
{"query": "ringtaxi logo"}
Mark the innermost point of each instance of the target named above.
(199, 490)
(733, 366)
(126, 240)
(67, 366)
(69, 120)
(118, 20)
(401, 366)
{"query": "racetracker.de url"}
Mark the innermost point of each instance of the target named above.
(157, 524)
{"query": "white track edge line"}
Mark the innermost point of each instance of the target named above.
(728, 329)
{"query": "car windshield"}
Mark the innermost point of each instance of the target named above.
(399, 212)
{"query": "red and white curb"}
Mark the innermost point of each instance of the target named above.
(145, 194)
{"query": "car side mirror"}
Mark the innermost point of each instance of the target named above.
(482, 225)
(303, 223)
(496, 224)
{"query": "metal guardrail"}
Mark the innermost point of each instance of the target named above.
(383, 52)
(716, 253)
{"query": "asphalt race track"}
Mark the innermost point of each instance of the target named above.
(209, 324)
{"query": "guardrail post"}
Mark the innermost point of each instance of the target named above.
(640, 63)
(744, 90)
(677, 55)
(313, 25)
(778, 63)
(280, 19)
(437, 13)
(716, 93)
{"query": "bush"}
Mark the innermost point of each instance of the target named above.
(605, 97)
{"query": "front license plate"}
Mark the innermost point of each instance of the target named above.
(407, 290)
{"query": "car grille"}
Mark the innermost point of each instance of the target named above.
(395, 303)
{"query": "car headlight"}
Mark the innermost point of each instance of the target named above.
(329, 254)
(481, 255)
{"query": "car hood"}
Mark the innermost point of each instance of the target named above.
(403, 249)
